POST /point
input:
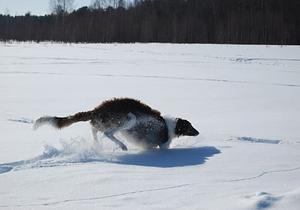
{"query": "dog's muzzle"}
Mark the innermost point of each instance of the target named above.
(192, 132)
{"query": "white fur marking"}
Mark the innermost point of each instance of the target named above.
(44, 120)
(171, 125)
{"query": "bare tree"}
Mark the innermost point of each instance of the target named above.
(61, 6)
(98, 4)
(121, 3)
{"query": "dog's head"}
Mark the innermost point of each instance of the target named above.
(185, 128)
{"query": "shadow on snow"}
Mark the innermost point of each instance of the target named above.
(169, 158)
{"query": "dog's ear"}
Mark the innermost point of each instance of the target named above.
(185, 128)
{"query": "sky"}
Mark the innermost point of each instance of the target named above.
(35, 7)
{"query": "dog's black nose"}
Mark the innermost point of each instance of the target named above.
(196, 133)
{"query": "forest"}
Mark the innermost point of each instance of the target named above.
(165, 21)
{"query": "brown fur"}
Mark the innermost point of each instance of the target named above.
(125, 105)
(106, 111)
(62, 122)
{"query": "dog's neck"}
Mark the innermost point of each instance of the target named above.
(171, 125)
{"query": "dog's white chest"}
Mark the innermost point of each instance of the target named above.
(146, 132)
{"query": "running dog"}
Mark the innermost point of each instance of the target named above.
(136, 121)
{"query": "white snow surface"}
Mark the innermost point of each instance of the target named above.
(244, 100)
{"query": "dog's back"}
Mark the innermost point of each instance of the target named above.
(120, 107)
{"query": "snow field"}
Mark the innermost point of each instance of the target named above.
(244, 100)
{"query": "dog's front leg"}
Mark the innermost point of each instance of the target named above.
(110, 135)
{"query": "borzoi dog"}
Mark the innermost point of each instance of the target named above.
(137, 122)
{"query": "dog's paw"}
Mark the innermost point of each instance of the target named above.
(124, 148)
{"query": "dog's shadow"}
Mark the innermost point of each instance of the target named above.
(175, 157)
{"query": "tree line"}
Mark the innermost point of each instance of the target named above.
(173, 21)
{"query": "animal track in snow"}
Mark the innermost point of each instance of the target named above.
(264, 173)
(258, 140)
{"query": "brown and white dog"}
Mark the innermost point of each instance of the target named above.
(139, 123)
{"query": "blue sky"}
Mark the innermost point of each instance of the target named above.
(37, 7)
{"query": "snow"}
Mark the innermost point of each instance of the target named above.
(244, 100)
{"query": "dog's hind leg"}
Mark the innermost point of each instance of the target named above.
(95, 137)
(94, 133)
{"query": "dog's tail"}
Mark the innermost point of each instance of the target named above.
(61, 122)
